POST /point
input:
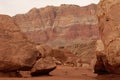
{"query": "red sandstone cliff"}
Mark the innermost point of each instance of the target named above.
(59, 24)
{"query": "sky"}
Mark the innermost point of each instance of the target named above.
(12, 7)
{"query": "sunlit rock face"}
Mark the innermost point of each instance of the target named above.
(18, 54)
(109, 26)
(59, 24)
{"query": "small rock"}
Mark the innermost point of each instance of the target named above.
(43, 66)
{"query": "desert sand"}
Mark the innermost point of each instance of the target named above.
(70, 73)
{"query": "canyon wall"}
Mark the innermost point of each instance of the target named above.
(108, 59)
(59, 24)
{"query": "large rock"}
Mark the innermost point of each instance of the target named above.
(43, 66)
(16, 52)
(59, 25)
(58, 55)
(18, 55)
(109, 25)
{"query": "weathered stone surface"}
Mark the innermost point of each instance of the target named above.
(18, 55)
(43, 66)
(109, 25)
(15, 51)
(58, 55)
(45, 50)
(59, 25)
(101, 58)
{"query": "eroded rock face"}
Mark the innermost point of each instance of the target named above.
(45, 50)
(60, 56)
(16, 52)
(43, 66)
(101, 58)
(109, 25)
(59, 24)
(57, 54)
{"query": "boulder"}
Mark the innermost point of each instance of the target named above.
(16, 52)
(58, 55)
(18, 55)
(109, 27)
(43, 66)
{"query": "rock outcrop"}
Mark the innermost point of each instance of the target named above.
(109, 25)
(43, 66)
(16, 52)
(60, 56)
(58, 25)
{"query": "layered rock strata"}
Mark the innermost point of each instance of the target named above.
(59, 24)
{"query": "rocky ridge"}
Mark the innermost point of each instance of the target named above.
(59, 25)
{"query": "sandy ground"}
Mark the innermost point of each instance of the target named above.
(70, 73)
